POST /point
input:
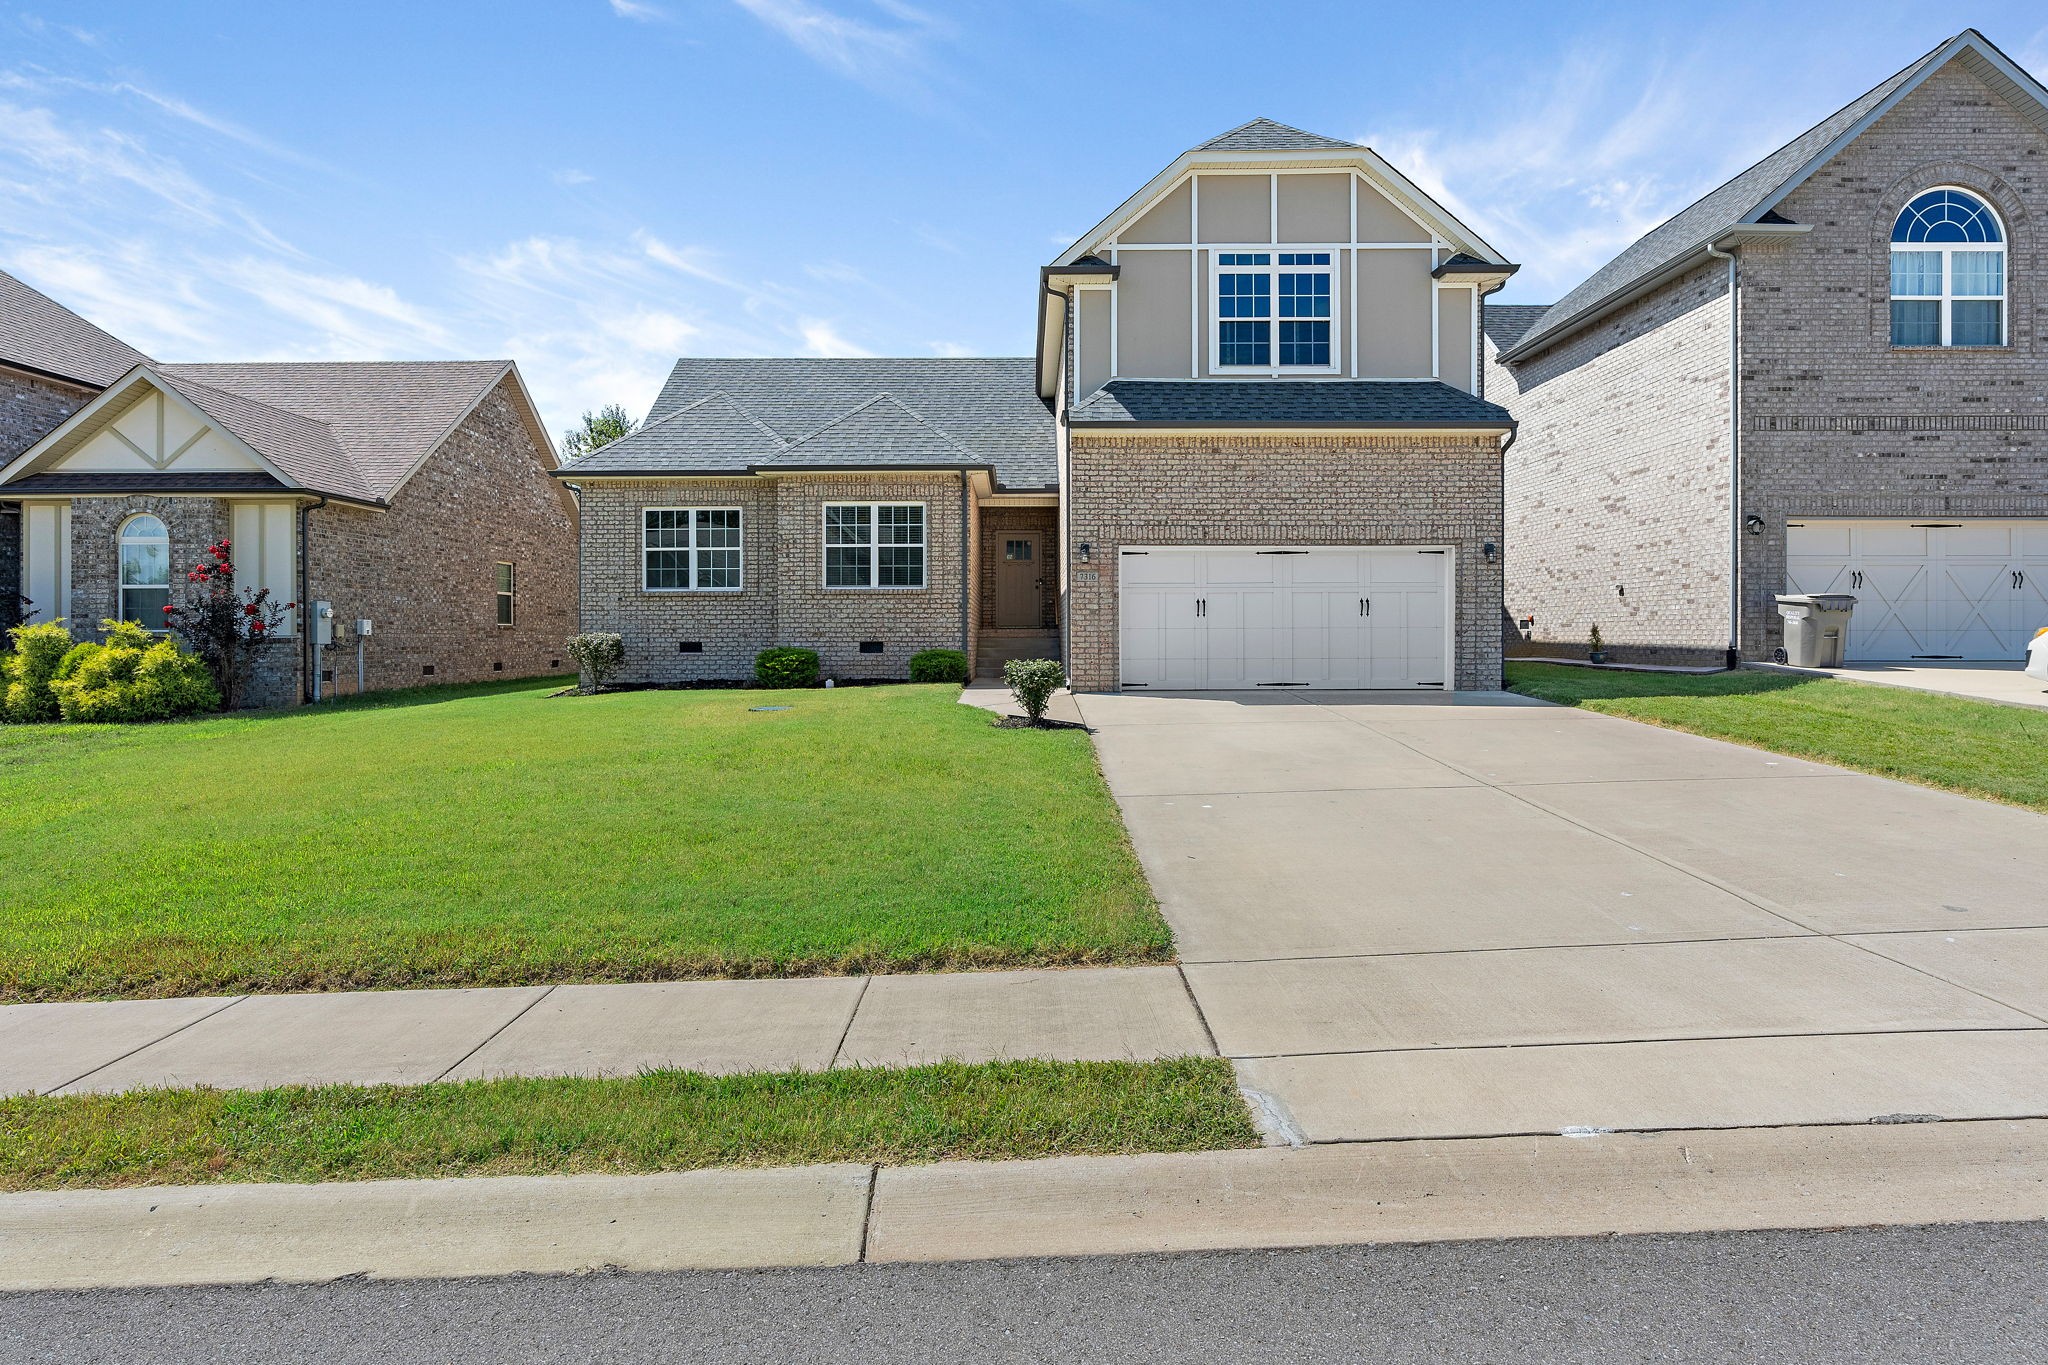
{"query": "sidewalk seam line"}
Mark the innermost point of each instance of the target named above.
(1201, 1016)
(486, 1039)
(867, 1212)
(859, 997)
(210, 1014)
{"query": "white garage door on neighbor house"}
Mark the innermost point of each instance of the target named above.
(1929, 588)
(1336, 617)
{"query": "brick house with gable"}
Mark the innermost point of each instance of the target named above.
(1828, 374)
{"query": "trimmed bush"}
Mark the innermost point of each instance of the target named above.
(1032, 682)
(133, 676)
(786, 668)
(599, 654)
(25, 675)
(939, 666)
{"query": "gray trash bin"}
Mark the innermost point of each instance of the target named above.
(1816, 627)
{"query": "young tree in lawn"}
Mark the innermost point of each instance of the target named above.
(223, 626)
(598, 428)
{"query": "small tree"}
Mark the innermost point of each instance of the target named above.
(598, 654)
(223, 626)
(598, 428)
(1032, 682)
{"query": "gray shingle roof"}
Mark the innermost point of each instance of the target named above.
(1264, 135)
(38, 333)
(1718, 211)
(380, 417)
(1508, 323)
(942, 412)
(1266, 402)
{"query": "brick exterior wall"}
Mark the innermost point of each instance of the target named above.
(1618, 478)
(1172, 489)
(1620, 470)
(423, 571)
(783, 600)
(30, 408)
(996, 524)
(1836, 422)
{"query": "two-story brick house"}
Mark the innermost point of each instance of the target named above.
(1829, 374)
(1249, 452)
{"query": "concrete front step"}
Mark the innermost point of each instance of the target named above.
(996, 650)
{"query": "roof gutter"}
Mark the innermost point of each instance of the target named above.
(1053, 283)
(1540, 341)
(1253, 428)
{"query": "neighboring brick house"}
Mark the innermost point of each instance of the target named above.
(416, 495)
(52, 363)
(1874, 287)
(1250, 452)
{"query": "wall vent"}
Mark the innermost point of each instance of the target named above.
(689, 647)
(426, 670)
(497, 666)
(871, 646)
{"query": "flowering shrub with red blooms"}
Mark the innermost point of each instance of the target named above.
(219, 624)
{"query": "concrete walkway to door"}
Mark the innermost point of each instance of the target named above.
(1476, 915)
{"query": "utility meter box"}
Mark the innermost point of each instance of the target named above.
(362, 625)
(323, 623)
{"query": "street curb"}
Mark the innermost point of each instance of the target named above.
(1339, 1194)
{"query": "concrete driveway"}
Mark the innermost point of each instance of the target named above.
(1480, 915)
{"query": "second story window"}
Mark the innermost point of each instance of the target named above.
(1273, 310)
(1948, 272)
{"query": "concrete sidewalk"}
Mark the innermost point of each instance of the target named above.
(409, 1037)
(2004, 683)
(1078, 1206)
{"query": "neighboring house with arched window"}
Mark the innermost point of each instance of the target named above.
(1875, 288)
(416, 495)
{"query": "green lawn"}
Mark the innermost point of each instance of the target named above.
(500, 834)
(660, 1121)
(1974, 747)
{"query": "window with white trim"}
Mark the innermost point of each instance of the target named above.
(1948, 272)
(505, 592)
(874, 545)
(1275, 311)
(690, 549)
(145, 571)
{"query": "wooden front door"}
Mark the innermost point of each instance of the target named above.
(1020, 582)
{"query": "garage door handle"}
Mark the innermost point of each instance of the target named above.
(1856, 579)
(1365, 606)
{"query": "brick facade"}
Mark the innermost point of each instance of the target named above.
(783, 600)
(1618, 479)
(1620, 472)
(422, 571)
(1174, 489)
(30, 408)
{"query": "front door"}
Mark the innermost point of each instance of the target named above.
(1020, 583)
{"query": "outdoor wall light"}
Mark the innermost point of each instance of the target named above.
(1086, 550)
(1621, 590)
(1753, 524)
(1490, 550)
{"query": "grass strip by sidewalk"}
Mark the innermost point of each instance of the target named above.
(658, 1121)
(1974, 747)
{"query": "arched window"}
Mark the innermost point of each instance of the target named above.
(1948, 272)
(145, 571)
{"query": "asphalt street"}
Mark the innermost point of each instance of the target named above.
(1949, 1294)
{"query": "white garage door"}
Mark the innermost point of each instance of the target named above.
(1200, 619)
(1928, 589)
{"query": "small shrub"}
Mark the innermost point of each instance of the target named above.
(1032, 682)
(938, 666)
(132, 676)
(599, 655)
(786, 668)
(25, 675)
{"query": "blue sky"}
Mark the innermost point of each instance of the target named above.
(593, 187)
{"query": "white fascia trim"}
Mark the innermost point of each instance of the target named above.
(141, 374)
(1364, 160)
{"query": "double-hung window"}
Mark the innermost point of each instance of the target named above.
(690, 549)
(1948, 272)
(1274, 310)
(505, 593)
(874, 545)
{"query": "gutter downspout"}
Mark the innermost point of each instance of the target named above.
(1734, 454)
(965, 564)
(305, 605)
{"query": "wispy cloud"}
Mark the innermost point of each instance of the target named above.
(570, 176)
(891, 56)
(822, 339)
(639, 10)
